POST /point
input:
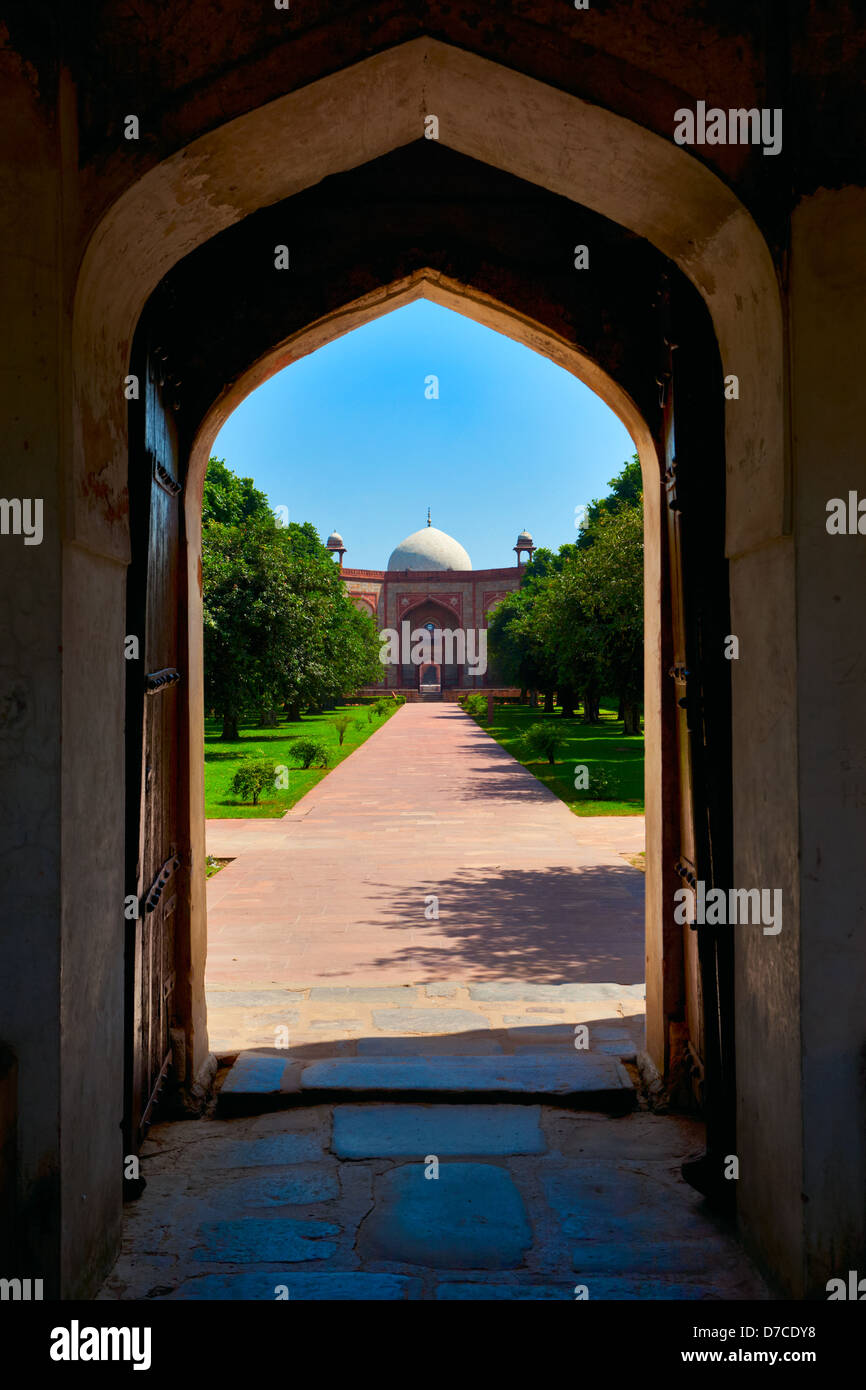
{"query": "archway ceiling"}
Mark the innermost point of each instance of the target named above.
(187, 69)
(421, 208)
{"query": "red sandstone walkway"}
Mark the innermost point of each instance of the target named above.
(334, 893)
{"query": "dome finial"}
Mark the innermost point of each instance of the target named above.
(429, 522)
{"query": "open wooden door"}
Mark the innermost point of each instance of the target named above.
(154, 869)
(693, 433)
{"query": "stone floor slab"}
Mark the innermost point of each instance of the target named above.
(595, 1203)
(255, 1074)
(592, 1080)
(578, 993)
(427, 1020)
(299, 1186)
(271, 1151)
(388, 1131)
(470, 1217)
(456, 1046)
(364, 994)
(264, 1242)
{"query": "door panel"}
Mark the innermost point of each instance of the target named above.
(153, 734)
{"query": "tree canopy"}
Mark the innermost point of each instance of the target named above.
(231, 500)
(279, 628)
(575, 626)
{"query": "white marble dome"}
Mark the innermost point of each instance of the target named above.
(429, 549)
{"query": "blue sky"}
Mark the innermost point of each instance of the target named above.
(347, 439)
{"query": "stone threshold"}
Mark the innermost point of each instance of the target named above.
(262, 1081)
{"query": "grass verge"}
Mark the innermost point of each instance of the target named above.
(222, 760)
(600, 747)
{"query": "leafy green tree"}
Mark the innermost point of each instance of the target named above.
(279, 628)
(576, 623)
(594, 615)
(353, 645)
(232, 501)
(614, 572)
(543, 740)
(520, 655)
(626, 490)
(251, 779)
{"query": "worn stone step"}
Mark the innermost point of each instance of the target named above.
(589, 1081)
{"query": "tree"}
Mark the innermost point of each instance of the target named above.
(614, 569)
(251, 616)
(594, 612)
(543, 741)
(518, 654)
(626, 490)
(354, 646)
(576, 623)
(251, 779)
(231, 500)
(278, 625)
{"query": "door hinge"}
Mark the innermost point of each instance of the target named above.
(155, 892)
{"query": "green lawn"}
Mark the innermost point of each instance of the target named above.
(221, 760)
(598, 746)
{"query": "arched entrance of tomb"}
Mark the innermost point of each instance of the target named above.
(441, 673)
(707, 233)
(683, 956)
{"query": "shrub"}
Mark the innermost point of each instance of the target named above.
(602, 787)
(382, 705)
(252, 777)
(341, 724)
(543, 741)
(310, 750)
(476, 706)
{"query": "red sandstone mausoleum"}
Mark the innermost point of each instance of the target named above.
(430, 584)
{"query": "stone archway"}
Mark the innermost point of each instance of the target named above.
(502, 319)
(548, 137)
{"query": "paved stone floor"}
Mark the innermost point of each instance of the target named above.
(318, 924)
(443, 1019)
(319, 948)
(342, 1202)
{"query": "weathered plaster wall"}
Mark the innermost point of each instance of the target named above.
(767, 968)
(828, 298)
(31, 406)
(92, 991)
(575, 150)
(204, 170)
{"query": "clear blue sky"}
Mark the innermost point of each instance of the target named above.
(346, 438)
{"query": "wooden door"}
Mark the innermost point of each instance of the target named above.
(693, 429)
(154, 868)
(681, 678)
